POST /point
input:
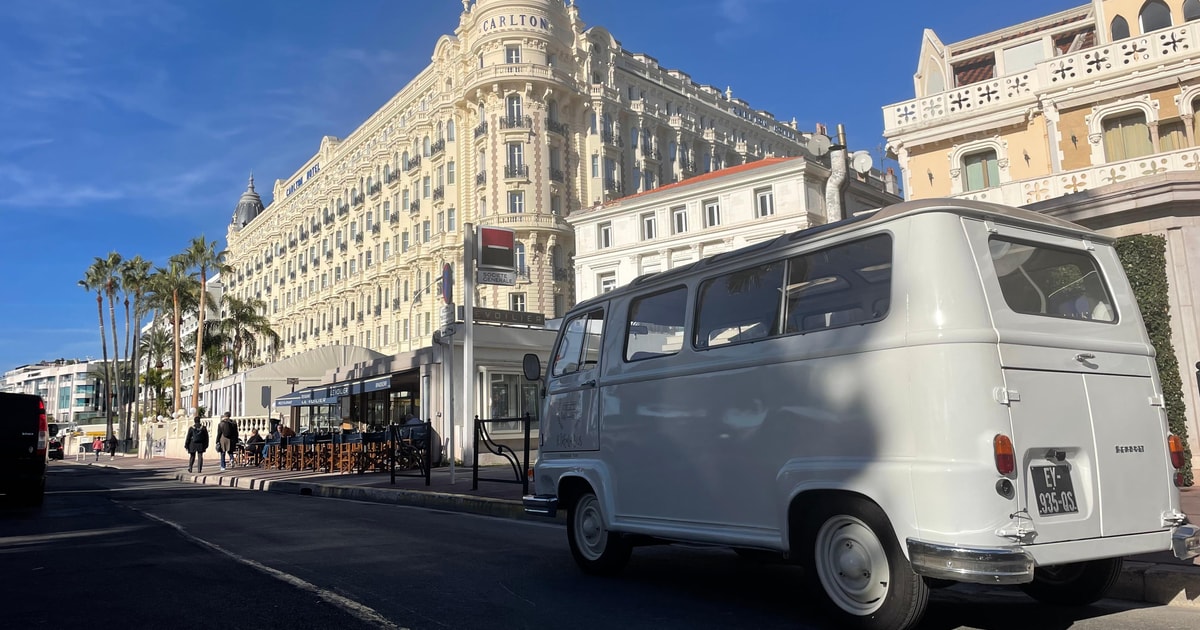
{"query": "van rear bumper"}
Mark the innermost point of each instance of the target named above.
(970, 564)
(1185, 541)
(540, 504)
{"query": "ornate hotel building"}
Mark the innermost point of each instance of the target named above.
(523, 117)
(1088, 115)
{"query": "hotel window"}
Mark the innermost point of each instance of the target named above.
(980, 171)
(441, 222)
(425, 187)
(516, 201)
(595, 166)
(764, 202)
(324, 280)
(1119, 28)
(450, 172)
(369, 260)
(607, 281)
(387, 250)
(451, 219)
(512, 53)
(353, 267)
(1172, 136)
(1126, 137)
(712, 213)
(1191, 10)
(516, 302)
(404, 241)
(519, 259)
(1155, 14)
(679, 220)
(337, 274)
(441, 176)
(649, 227)
(556, 205)
(604, 235)
(425, 231)
(516, 155)
(425, 144)
(449, 131)
(514, 107)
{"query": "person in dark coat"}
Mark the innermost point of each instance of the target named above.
(227, 438)
(254, 448)
(196, 442)
(112, 446)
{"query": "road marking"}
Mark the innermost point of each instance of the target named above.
(360, 611)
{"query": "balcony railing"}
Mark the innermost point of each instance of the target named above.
(437, 147)
(1027, 191)
(1085, 67)
(557, 175)
(481, 178)
(516, 122)
(553, 126)
(414, 206)
(413, 163)
(439, 193)
(481, 129)
(516, 171)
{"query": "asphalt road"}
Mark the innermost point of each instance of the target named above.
(129, 549)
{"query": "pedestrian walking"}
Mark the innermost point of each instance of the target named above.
(97, 446)
(112, 447)
(196, 442)
(227, 438)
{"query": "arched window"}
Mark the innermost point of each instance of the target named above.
(425, 146)
(450, 130)
(404, 161)
(519, 253)
(514, 109)
(441, 134)
(1119, 28)
(980, 170)
(1155, 14)
(1126, 136)
(1191, 10)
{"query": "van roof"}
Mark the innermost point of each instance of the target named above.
(964, 207)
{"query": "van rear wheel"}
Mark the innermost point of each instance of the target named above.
(868, 583)
(1076, 584)
(596, 550)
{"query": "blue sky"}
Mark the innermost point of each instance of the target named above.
(131, 125)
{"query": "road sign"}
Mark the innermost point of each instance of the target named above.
(497, 260)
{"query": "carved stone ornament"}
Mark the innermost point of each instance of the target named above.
(1095, 138)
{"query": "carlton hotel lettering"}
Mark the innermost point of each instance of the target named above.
(532, 21)
(309, 174)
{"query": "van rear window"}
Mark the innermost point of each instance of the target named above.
(1037, 279)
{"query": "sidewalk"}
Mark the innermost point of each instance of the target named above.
(1158, 578)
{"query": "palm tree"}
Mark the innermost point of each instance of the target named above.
(135, 274)
(155, 345)
(93, 280)
(244, 324)
(202, 254)
(169, 285)
(110, 267)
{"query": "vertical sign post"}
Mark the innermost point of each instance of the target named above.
(468, 381)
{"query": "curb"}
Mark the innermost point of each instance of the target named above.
(446, 501)
(1148, 582)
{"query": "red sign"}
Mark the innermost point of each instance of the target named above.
(497, 249)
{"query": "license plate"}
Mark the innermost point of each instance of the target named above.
(1054, 492)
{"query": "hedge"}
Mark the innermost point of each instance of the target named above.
(1145, 261)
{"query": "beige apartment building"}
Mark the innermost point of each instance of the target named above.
(1087, 115)
(522, 117)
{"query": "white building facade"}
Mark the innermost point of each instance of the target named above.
(718, 212)
(72, 389)
(522, 118)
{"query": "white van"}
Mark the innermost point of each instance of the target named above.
(939, 391)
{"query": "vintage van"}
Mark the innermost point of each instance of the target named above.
(939, 391)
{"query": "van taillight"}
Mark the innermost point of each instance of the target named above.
(1175, 446)
(1002, 449)
(43, 437)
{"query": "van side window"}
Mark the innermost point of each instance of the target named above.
(1038, 279)
(739, 306)
(843, 285)
(579, 347)
(655, 326)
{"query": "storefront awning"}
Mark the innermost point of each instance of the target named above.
(329, 394)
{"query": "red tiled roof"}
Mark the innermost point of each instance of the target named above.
(1030, 31)
(732, 170)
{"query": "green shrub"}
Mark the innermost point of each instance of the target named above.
(1145, 262)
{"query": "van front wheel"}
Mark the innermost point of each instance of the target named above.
(1076, 584)
(596, 550)
(860, 567)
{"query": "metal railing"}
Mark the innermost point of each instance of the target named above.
(519, 466)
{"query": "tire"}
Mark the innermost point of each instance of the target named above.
(596, 550)
(1076, 584)
(851, 555)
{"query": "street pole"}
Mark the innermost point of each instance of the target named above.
(468, 398)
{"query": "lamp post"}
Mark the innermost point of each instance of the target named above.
(417, 298)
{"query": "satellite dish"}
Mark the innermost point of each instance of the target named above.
(818, 144)
(861, 162)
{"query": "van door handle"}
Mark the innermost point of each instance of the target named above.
(590, 383)
(1084, 356)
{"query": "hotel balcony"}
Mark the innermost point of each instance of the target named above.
(1174, 45)
(1027, 191)
(526, 220)
(516, 72)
